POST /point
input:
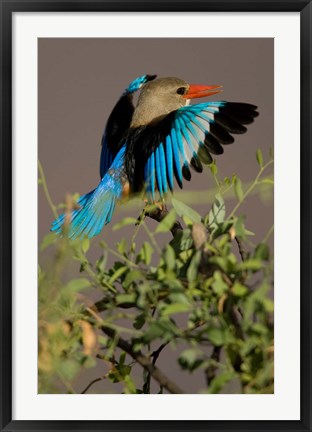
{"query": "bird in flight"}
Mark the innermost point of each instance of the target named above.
(155, 144)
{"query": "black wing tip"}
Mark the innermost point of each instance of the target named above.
(244, 107)
(186, 173)
(196, 164)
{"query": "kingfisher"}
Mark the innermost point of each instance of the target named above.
(153, 146)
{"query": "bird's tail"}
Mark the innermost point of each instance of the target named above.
(96, 207)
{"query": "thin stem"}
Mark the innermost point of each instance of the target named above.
(94, 382)
(87, 267)
(241, 250)
(152, 238)
(118, 255)
(137, 229)
(268, 234)
(143, 361)
(251, 187)
(211, 370)
(46, 190)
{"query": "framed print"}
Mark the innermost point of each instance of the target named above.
(155, 215)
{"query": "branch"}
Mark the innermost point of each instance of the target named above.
(159, 214)
(139, 357)
(154, 356)
(93, 382)
(153, 370)
(241, 249)
(211, 370)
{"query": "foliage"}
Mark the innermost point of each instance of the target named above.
(205, 296)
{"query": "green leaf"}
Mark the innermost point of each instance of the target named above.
(139, 321)
(119, 272)
(192, 270)
(219, 381)
(184, 210)
(125, 299)
(122, 246)
(182, 241)
(218, 285)
(213, 168)
(132, 276)
(162, 328)
(124, 222)
(268, 305)
(262, 252)
(239, 290)
(190, 359)
(238, 189)
(153, 332)
(101, 263)
(85, 245)
(167, 223)
(251, 264)
(268, 181)
(130, 385)
(255, 297)
(169, 257)
(145, 254)
(217, 213)
(240, 229)
(259, 157)
(175, 308)
(122, 358)
(216, 336)
(227, 181)
(226, 263)
(76, 285)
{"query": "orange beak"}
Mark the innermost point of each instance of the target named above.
(199, 91)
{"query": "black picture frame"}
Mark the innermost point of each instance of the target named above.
(7, 8)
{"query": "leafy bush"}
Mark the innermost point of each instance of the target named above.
(206, 293)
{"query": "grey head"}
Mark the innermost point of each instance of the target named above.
(158, 98)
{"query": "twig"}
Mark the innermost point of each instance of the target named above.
(154, 356)
(159, 214)
(268, 234)
(241, 250)
(152, 239)
(250, 188)
(93, 382)
(46, 190)
(142, 360)
(210, 371)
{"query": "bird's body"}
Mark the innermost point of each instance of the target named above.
(149, 147)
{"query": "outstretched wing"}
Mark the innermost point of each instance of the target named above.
(118, 122)
(184, 138)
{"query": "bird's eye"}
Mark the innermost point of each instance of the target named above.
(181, 90)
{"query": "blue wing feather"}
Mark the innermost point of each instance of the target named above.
(169, 157)
(197, 127)
(158, 171)
(163, 168)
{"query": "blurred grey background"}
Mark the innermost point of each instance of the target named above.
(79, 82)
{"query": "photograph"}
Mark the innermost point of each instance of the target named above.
(155, 215)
